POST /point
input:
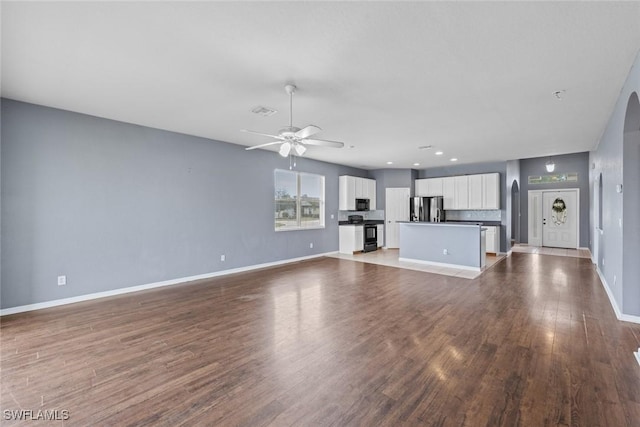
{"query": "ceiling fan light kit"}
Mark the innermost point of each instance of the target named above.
(294, 139)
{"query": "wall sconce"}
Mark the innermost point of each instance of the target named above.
(550, 166)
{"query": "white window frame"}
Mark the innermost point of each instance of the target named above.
(298, 202)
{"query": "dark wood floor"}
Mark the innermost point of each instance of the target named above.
(531, 342)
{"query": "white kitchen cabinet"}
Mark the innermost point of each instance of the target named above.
(476, 191)
(346, 193)
(421, 189)
(380, 235)
(461, 195)
(351, 238)
(351, 188)
(493, 239)
(428, 187)
(371, 193)
(448, 192)
(434, 187)
(491, 191)
(359, 188)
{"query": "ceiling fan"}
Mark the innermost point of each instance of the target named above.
(294, 139)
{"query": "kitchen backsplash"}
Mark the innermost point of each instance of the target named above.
(378, 214)
(479, 215)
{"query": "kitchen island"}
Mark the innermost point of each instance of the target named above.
(457, 245)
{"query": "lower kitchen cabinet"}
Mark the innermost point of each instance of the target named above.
(351, 238)
(493, 239)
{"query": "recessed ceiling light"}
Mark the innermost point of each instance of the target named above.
(425, 147)
(264, 111)
(453, 159)
(389, 163)
(416, 164)
(439, 153)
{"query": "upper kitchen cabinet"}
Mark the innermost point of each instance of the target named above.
(352, 188)
(468, 192)
(429, 187)
(476, 192)
(461, 184)
(484, 191)
(491, 191)
(449, 193)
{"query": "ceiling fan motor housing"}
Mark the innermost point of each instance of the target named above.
(288, 132)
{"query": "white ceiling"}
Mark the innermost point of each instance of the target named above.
(474, 80)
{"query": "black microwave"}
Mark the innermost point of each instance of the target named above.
(362, 204)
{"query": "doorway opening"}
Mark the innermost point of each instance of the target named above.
(515, 213)
(630, 189)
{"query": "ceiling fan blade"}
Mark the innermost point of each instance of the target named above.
(263, 145)
(323, 143)
(307, 131)
(263, 134)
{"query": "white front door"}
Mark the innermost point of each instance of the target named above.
(560, 211)
(397, 209)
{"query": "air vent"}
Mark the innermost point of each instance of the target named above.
(264, 111)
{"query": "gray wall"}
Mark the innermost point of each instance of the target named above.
(113, 205)
(391, 178)
(568, 163)
(473, 169)
(513, 206)
(618, 246)
(427, 242)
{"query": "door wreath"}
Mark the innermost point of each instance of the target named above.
(559, 208)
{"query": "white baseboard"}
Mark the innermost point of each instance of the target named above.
(619, 314)
(440, 264)
(87, 297)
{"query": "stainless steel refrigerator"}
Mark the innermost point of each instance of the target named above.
(426, 209)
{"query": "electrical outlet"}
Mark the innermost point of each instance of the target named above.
(620, 222)
(223, 258)
(445, 252)
(603, 262)
(311, 245)
(614, 279)
(62, 280)
(331, 216)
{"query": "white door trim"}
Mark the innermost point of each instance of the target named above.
(532, 227)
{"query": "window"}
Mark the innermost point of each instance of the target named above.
(299, 200)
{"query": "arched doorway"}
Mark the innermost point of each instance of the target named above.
(515, 213)
(630, 208)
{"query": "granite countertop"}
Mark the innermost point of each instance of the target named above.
(484, 223)
(366, 222)
(443, 224)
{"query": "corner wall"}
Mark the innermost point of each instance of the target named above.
(609, 159)
(113, 205)
(567, 163)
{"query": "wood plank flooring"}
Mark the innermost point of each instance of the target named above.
(533, 341)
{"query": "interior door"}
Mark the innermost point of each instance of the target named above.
(397, 209)
(560, 211)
